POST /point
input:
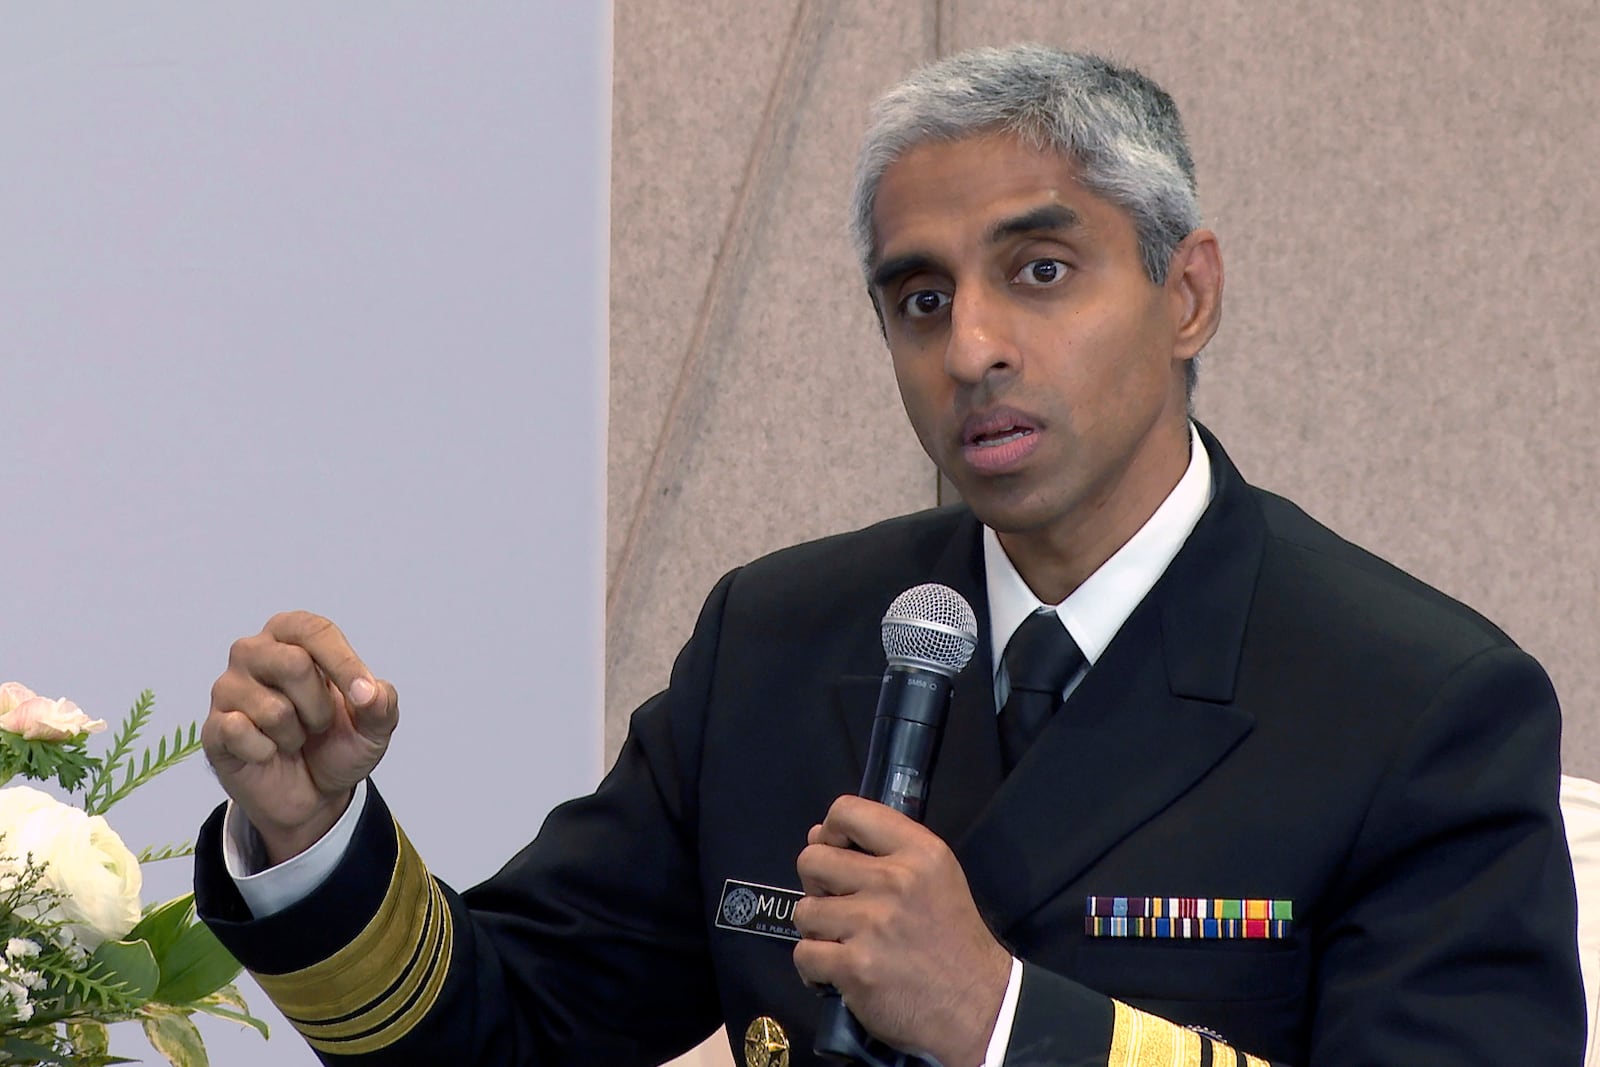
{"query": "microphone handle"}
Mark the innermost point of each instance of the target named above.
(912, 706)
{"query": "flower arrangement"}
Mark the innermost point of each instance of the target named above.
(79, 951)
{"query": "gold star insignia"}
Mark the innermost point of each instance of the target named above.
(765, 1044)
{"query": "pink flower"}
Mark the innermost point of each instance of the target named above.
(39, 718)
(12, 694)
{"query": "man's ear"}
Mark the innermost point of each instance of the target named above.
(1194, 288)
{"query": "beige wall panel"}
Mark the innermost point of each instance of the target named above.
(687, 106)
(788, 426)
(1407, 204)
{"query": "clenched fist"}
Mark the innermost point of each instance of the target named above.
(296, 721)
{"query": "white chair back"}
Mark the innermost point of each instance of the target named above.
(1580, 808)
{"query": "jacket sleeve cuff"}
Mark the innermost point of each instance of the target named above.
(361, 959)
(1061, 1022)
(268, 890)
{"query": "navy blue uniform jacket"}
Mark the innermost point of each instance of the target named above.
(1283, 717)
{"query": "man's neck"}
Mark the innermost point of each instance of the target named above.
(1099, 604)
(1056, 559)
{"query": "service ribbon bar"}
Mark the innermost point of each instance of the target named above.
(1203, 918)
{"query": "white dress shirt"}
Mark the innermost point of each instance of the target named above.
(1092, 614)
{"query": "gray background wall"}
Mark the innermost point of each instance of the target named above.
(1407, 203)
(303, 305)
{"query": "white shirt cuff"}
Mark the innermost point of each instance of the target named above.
(1000, 1040)
(269, 890)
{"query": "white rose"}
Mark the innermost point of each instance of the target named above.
(83, 859)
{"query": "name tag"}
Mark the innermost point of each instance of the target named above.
(751, 908)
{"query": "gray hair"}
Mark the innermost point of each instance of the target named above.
(1120, 129)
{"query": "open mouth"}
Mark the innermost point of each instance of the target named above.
(1003, 436)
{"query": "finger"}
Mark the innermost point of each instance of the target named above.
(231, 735)
(269, 710)
(377, 719)
(869, 826)
(329, 649)
(824, 835)
(212, 743)
(821, 963)
(827, 918)
(287, 669)
(828, 870)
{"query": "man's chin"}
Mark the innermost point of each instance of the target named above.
(1002, 512)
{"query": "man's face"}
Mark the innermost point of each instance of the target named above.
(1040, 366)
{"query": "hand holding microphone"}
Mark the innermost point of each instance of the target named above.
(888, 921)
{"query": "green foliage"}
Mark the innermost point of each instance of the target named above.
(103, 790)
(91, 1045)
(196, 966)
(193, 963)
(121, 745)
(163, 923)
(68, 762)
(72, 990)
(132, 966)
(173, 1034)
(226, 1003)
(165, 852)
(90, 1038)
(33, 1046)
(45, 1047)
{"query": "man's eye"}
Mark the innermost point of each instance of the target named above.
(923, 303)
(1041, 272)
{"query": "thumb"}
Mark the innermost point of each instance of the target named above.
(374, 708)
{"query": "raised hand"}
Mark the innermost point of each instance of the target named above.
(296, 721)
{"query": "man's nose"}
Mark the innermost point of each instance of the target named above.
(980, 336)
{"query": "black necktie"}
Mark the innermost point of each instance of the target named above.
(1040, 657)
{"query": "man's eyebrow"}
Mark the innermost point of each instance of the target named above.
(891, 270)
(1048, 218)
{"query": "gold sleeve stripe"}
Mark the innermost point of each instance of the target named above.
(1142, 1040)
(372, 991)
(398, 996)
(331, 1025)
(412, 1006)
(1139, 1039)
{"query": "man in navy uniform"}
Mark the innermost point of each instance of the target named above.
(1284, 802)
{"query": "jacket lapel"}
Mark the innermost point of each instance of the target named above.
(1148, 721)
(967, 770)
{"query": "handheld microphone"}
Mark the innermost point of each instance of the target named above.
(929, 634)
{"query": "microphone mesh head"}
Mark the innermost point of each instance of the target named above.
(930, 626)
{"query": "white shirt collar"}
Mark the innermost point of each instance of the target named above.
(1096, 610)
